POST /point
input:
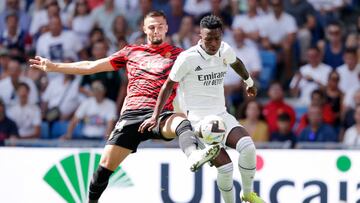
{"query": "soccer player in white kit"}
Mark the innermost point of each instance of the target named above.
(200, 72)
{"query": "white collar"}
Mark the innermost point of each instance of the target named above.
(203, 53)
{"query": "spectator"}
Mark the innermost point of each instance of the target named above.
(40, 19)
(98, 114)
(310, 77)
(4, 60)
(334, 97)
(197, 8)
(305, 16)
(9, 84)
(276, 106)
(317, 130)
(82, 23)
(13, 6)
(8, 128)
(58, 44)
(333, 48)
(175, 16)
(348, 119)
(105, 15)
(352, 134)
(264, 7)
(67, 9)
(279, 33)
(120, 30)
(26, 116)
(62, 93)
(350, 71)
(252, 120)
(182, 38)
(250, 22)
(318, 98)
(284, 132)
(13, 36)
(217, 9)
(114, 83)
(145, 6)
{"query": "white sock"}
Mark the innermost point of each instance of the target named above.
(247, 163)
(225, 182)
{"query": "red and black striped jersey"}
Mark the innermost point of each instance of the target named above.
(147, 68)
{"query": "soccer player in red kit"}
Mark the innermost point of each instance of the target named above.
(147, 67)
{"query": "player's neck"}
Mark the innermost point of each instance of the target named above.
(155, 45)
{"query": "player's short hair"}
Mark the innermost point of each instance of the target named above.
(155, 14)
(211, 22)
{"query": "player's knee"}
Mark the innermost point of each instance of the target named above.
(184, 126)
(225, 177)
(245, 145)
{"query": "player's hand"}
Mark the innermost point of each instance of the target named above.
(148, 124)
(251, 91)
(41, 63)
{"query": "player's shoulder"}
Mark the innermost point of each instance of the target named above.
(191, 53)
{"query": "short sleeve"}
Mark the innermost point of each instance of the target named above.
(118, 60)
(228, 53)
(80, 112)
(180, 68)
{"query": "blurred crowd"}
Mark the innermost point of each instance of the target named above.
(304, 56)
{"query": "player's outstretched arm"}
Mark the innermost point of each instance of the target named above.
(164, 94)
(76, 68)
(240, 69)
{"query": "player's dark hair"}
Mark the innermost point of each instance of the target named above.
(211, 22)
(155, 14)
(22, 84)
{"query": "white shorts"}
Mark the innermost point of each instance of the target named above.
(230, 121)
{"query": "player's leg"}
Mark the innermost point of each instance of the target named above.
(238, 138)
(225, 176)
(178, 125)
(111, 157)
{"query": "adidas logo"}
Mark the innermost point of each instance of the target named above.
(71, 176)
(198, 68)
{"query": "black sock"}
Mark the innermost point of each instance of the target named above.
(99, 182)
(187, 139)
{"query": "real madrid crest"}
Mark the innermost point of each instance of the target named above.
(224, 61)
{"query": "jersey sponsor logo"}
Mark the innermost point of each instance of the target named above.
(71, 176)
(212, 78)
(198, 68)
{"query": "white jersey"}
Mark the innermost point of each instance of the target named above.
(201, 77)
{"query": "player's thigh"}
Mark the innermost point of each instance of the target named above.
(222, 159)
(235, 135)
(113, 155)
(168, 126)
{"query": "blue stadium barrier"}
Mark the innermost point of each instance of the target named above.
(268, 60)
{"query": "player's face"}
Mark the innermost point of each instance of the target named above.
(210, 40)
(155, 29)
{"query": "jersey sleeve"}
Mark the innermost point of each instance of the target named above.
(228, 53)
(180, 68)
(118, 60)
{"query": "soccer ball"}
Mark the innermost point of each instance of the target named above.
(212, 129)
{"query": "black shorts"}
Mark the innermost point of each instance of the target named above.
(125, 133)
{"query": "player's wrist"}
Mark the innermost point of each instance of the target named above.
(249, 82)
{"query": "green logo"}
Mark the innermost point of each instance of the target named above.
(71, 177)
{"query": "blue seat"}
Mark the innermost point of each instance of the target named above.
(44, 130)
(59, 128)
(268, 60)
